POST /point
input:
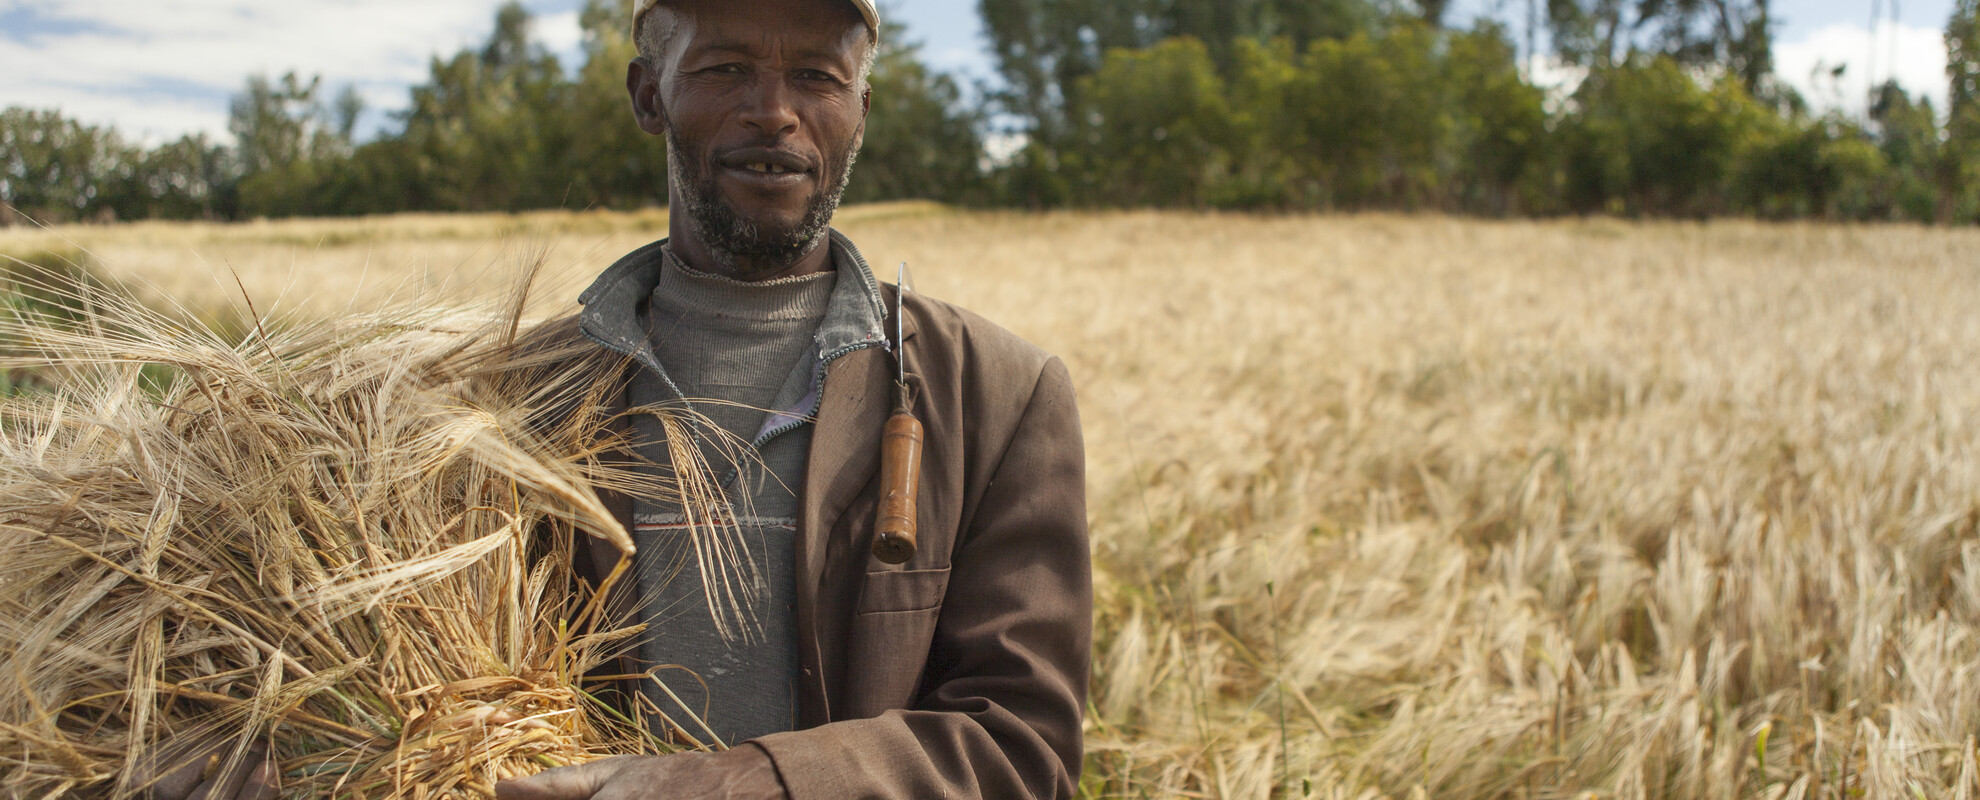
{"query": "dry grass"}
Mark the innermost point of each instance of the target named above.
(1430, 508)
(348, 541)
(332, 266)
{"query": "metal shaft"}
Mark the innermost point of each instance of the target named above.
(894, 527)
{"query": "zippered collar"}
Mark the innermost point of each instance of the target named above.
(857, 316)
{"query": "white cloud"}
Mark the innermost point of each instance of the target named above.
(1548, 72)
(561, 34)
(1915, 57)
(160, 68)
(1557, 79)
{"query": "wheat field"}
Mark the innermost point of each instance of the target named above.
(1423, 507)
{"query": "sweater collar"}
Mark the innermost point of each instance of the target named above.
(855, 316)
(684, 292)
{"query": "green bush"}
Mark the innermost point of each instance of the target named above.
(1411, 117)
(1156, 129)
(1650, 137)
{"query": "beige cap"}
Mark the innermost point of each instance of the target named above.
(866, 10)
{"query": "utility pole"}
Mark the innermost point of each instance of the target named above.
(1870, 70)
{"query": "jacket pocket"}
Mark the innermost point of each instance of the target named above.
(903, 590)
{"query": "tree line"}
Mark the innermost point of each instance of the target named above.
(1234, 104)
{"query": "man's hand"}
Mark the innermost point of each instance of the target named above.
(198, 772)
(742, 773)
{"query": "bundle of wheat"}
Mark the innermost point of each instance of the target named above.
(349, 543)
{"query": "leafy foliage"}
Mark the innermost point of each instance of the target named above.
(1249, 104)
(921, 136)
(1960, 169)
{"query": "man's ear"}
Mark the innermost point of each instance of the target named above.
(643, 87)
(865, 106)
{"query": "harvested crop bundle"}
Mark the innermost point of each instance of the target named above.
(349, 542)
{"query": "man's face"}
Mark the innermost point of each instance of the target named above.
(763, 111)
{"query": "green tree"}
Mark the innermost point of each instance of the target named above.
(1908, 138)
(1735, 36)
(1800, 166)
(1499, 126)
(1410, 117)
(287, 143)
(1371, 118)
(1266, 169)
(1591, 33)
(1044, 48)
(279, 123)
(55, 169)
(191, 178)
(610, 161)
(922, 141)
(1960, 165)
(487, 130)
(1155, 127)
(1647, 137)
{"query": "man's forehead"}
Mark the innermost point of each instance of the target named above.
(867, 11)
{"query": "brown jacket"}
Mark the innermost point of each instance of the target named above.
(962, 673)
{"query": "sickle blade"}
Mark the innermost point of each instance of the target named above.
(905, 281)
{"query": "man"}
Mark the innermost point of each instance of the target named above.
(961, 673)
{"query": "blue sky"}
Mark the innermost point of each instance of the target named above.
(160, 68)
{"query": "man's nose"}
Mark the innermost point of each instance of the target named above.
(769, 108)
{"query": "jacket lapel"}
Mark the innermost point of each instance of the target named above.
(845, 444)
(845, 455)
(845, 447)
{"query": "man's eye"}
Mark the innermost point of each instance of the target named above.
(727, 69)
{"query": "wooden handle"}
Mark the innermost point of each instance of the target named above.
(900, 479)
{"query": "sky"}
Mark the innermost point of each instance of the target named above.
(162, 68)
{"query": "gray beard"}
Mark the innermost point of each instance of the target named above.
(743, 249)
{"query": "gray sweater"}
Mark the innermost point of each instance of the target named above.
(737, 352)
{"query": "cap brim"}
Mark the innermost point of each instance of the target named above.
(872, 15)
(867, 11)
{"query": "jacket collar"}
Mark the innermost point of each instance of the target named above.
(611, 315)
(857, 316)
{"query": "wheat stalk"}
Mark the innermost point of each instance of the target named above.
(352, 540)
